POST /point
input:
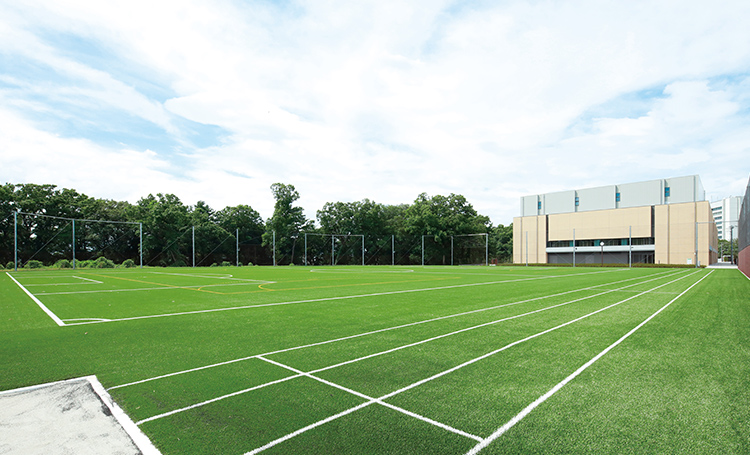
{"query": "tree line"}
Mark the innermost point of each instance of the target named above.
(52, 224)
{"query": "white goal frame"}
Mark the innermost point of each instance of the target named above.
(73, 240)
(333, 244)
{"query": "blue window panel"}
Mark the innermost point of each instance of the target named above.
(617, 197)
(666, 191)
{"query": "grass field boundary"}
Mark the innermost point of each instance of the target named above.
(462, 365)
(328, 299)
(49, 313)
(500, 431)
(411, 324)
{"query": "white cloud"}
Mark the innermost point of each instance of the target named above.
(386, 100)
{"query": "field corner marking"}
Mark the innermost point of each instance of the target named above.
(49, 312)
(139, 438)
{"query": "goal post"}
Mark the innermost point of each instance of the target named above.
(49, 239)
(470, 249)
(339, 250)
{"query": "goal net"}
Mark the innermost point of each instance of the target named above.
(334, 249)
(43, 240)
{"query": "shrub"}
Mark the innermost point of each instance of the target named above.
(34, 264)
(62, 264)
(214, 265)
(10, 265)
(103, 263)
(226, 264)
(128, 263)
(1, 266)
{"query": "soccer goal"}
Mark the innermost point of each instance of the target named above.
(334, 249)
(45, 240)
(460, 249)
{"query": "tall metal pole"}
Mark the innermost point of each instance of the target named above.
(731, 244)
(486, 250)
(237, 245)
(15, 241)
(193, 246)
(332, 250)
(363, 249)
(305, 248)
(74, 244)
(423, 251)
(574, 247)
(451, 250)
(274, 248)
(696, 244)
(140, 246)
(630, 246)
(393, 249)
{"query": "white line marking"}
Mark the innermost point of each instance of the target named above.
(241, 359)
(87, 279)
(139, 438)
(52, 315)
(213, 400)
(328, 299)
(443, 373)
(86, 319)
(375, 400)
(160, 288)
(500, 431)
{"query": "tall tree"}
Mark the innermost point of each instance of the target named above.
(166, 221)
(287, 222)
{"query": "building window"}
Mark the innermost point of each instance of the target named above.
(617, 197)
(577, 201)
(539, 205)
(666, 191)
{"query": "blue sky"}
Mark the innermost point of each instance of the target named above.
(215, 101)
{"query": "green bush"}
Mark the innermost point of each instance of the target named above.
(128, 263)
(226, 264)
(62, 264)
(10, 265)
(1, 267)
(34, 264)
(103, 263)
(214, 265)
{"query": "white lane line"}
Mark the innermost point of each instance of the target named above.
(328, 299)
(213, 400)
(443, 373)
(375, 400)
(241, 359)
(52, 315)
(500, 431)
(384, 330)
(163, 288)
(87, 279)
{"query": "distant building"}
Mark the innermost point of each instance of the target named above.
(665, 221)
(726, 213)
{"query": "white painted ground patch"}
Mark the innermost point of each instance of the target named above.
(76, 416)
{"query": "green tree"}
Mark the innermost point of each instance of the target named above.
(166, 221)
(287, 222)
(439, 218)
(501, 243)
(247, 223)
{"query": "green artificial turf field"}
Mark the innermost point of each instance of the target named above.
(433, 360)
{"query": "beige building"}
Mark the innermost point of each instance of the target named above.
(663, 222)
